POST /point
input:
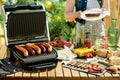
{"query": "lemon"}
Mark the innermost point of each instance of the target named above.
(57, 17)
(48, 4)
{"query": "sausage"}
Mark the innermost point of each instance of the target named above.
(43, 49)
(48, 46)
(23, 50)
(35, 47)
(30, 50)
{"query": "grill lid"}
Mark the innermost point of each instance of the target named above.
(26, 25)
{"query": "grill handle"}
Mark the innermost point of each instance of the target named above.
(23, 7)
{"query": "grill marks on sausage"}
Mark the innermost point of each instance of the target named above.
(23, 50)
(43, 49)
(30, 50)
(35, 47)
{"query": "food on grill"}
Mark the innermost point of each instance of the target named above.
(43, 49)
(30, 50)
(35, 47)
(23, 50)
(48, 46)
(92, 15)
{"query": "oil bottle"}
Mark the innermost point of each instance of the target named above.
(113, 35)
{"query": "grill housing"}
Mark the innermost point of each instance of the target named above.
(28, 24)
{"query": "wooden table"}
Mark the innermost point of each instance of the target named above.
(57, 73)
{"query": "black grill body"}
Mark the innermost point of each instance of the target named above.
(27, 24)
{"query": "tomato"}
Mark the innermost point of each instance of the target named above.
(68, 44)
(94, 65)
(89, 55)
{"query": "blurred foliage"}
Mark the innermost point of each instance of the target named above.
(57, 21)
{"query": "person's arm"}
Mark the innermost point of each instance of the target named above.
(69, 10)
(106, 5)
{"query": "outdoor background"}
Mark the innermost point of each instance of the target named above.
(58, 25)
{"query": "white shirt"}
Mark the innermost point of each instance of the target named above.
(97, 26)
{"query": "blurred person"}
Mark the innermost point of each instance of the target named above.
(75, 8)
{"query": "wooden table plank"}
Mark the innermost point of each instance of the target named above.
(43, 73)
(59, 70)
(51, 72)
(19, 74)
(107, 74)
(3, 52)
(35, 74)
(26, 74)
(115, 75)
(10, 75)
(67, 72)
(90, 75)
(75, 73)
(82, 74)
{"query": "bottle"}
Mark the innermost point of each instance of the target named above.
(88, 40)
(112, 35)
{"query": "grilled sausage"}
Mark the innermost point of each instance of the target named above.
(30, 50)
(48, 46)
(43, 49)
(23, 50)
(35, 47)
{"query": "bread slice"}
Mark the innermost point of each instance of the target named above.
(114, 60)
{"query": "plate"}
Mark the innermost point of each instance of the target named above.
(94, 11)
(81, 68)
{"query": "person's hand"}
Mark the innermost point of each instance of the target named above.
(78, 14)
(105, 11)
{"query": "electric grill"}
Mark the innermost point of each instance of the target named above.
(27, 24)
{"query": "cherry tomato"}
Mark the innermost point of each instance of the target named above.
(89, 55)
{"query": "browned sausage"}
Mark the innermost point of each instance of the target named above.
(43, 49)
(23, 50)
(30, 50)
(48, 46)
(35, 47)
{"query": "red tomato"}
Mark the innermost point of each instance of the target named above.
(89, 55)
(94, 65)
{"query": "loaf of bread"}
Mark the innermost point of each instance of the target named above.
(113, 69)
(114, 60)
(103, 53)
